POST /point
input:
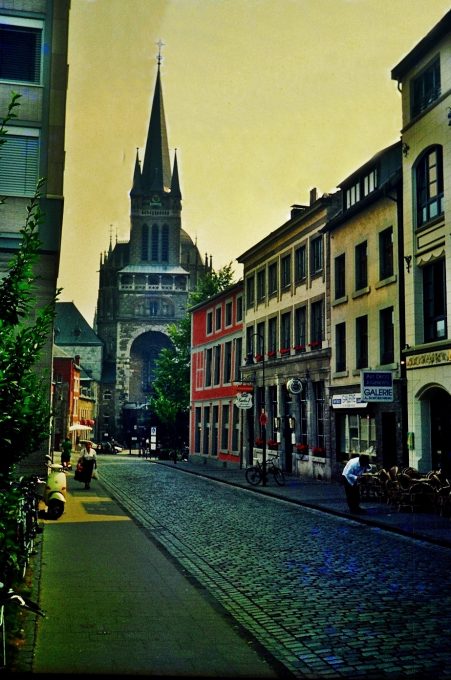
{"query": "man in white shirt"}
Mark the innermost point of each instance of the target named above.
(351, 472)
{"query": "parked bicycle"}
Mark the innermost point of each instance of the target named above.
(254, 474)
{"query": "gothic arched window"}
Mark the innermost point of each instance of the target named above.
(145, 242)
(165, 243)
(155, 239)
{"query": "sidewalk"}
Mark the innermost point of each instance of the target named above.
(330, 497)
(115, 603)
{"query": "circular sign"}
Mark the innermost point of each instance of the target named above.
(294, 386)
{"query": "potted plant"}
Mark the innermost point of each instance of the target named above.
(302, 449)
(259, 442)
(273, 444)
(315, 344)
(271, 354)
(299, 348)
(259, 357)
(284, 350)
(319, 451)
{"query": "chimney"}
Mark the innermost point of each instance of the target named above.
(77, 359)
(313, 195)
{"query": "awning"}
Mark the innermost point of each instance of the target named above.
(78, 426)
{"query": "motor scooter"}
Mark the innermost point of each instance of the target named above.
(55, 489)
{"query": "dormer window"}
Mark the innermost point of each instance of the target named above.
(370, 182)
(353, 195)
(362, 187)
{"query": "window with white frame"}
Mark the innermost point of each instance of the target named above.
(425, 88)
(317, 255)
(429, 185)
(19, 169)
(21, 49)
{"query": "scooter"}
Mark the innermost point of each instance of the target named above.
(55, 489)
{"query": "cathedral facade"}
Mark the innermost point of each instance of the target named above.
(144, 285)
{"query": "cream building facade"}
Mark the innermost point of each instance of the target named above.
(424, 80)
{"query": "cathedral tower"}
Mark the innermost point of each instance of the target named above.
(143, 283)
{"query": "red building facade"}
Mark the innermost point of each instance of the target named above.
(216, 360)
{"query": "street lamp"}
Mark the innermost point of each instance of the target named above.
(263, 418)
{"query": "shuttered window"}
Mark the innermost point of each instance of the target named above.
(19, 163)
(20, 49)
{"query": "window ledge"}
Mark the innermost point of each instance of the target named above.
(361, 292)
(340, 374)
(386, 282)
(340, 301)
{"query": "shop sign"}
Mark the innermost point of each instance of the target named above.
(377, 386)
(243, 400)
(348, 401)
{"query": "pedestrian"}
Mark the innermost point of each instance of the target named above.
(88, 460)
(353, 469)
(66, 452)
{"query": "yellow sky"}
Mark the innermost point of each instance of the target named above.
(264, 100)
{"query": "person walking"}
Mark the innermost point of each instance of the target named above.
(88, 460)
(353, 469)
(66, 452)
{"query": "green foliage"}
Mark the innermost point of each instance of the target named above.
(171, 386)
(24, 330)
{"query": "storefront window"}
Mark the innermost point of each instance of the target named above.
(357, 433)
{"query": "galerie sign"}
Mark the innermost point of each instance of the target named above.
(376, 386)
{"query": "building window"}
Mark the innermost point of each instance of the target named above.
(250, 340)
(217, 376)
(165, 243)
(218, 321)
(370, 182)
(250, 292)
(206, 424)
(227, 378)
(272, 279)
(225, 428)
(198, 429)
(316, 325)
(145, 242)
(356, 434)
(228, 313)
(352, 195)
(429, 186)
(320, 419)
(261, 285)
(215, 433)
(340, 276)
(208, 363)
(361, 266)
(386, 253)
(155, 240)
(209, 322)
(361, 341)
(317, 255)
(300, 328)
(238, 358)
(19, 167)
(272, 334)
(236, 428)
(434, 301)
(340, 347)
(285, 267)
(239, 308)
(425, 88)
(285, 331)
(300, 264)
(20, 49)
(387, 336)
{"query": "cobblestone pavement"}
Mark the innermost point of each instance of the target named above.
(329, 597)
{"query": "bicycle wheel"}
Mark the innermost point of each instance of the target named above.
(253, 475)
(279, 477)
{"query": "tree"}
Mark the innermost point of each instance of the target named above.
(171, 385)
(24, 398)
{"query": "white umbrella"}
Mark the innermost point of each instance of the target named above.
(77, 426)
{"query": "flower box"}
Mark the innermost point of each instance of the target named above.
(272, 354)
(273, 444)
(299, 348)
(259, 357)
(259, 442)
(284, 351)
(318, 451)
(302, 449)
(315, 344)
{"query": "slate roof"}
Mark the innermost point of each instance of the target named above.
(71, 328)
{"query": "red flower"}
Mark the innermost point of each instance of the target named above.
(259, 442)
(284, 350)
(302, 448)
(318, 451)
(299, 348)
(272, 354)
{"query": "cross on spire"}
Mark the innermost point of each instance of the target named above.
(160, 44)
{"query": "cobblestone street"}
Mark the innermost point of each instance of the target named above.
(326, 596)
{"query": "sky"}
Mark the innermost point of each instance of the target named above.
(264, 100)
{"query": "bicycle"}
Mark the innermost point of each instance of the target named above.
(254, 474)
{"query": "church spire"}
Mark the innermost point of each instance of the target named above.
(175, 182)
(156, 172)
(136, 187)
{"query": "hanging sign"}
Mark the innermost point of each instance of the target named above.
(243, 400)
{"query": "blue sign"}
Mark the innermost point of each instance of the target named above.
(377, 386)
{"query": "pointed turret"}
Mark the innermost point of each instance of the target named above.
(175, 183)
(136, 187)
(156, 173)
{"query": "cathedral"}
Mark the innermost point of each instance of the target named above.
(143, 285)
